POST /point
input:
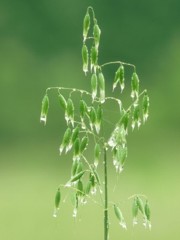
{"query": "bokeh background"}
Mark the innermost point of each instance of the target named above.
(40, 46)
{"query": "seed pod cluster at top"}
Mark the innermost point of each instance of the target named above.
(96, 33)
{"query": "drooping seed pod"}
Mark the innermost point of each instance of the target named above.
(62, 102)
(75, 203)
(57, 198)
(97, 153)
(80, 189)
(147, 210)
(57, 202)
(94, 58)
(119, 216)
(86, 25)
(135, 209)
(147, 221)
(83, 144)
(121, 155)
(101, 87)
(70, 111)
(118, 136)
(85, 58)
(96, 33)
(79, 167)
(82, 109)
(94, 85)
(92, 116)
(75, 134)
(74, 167)
(140, 204)
(145, 107)
(121, 77)
(116, 78)
(88, 188)
(77, 176)
(134, 85)
(44, 109)
(97, 179)
(125, 120)
(76, 149)
(136, 116)
(66, 140)
(98, 118)
(93, 181)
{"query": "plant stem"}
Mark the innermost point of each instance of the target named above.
(106, 220)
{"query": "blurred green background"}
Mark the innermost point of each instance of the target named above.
(40, 46)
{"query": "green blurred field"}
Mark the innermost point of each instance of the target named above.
(40, 46)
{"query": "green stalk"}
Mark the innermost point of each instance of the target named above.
(106, 219)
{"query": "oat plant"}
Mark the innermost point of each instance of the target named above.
(86, 121)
